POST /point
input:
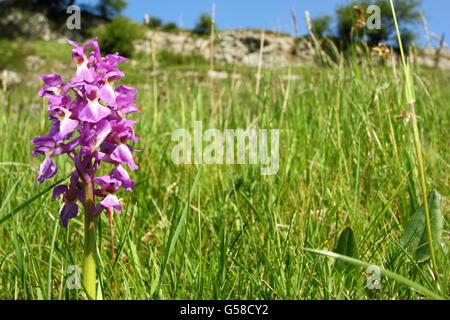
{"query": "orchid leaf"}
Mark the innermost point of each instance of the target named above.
(414, 238)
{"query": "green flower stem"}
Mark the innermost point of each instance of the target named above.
(90, 225)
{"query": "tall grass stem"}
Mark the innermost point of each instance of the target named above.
(417, 144)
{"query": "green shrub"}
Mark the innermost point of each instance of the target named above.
(203, 25)
(321, 25)
(154, 23)
(118, 36)
(170, 27)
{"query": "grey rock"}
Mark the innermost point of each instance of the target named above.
(26, 24)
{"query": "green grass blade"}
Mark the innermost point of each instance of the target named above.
(50, 262)
(172, 240)
(387, 273)
(31, 200)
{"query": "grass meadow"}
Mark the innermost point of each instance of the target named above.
(226, 231)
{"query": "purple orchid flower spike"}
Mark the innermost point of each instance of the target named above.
(89, 125)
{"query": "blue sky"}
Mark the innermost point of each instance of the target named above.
(268, 14)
